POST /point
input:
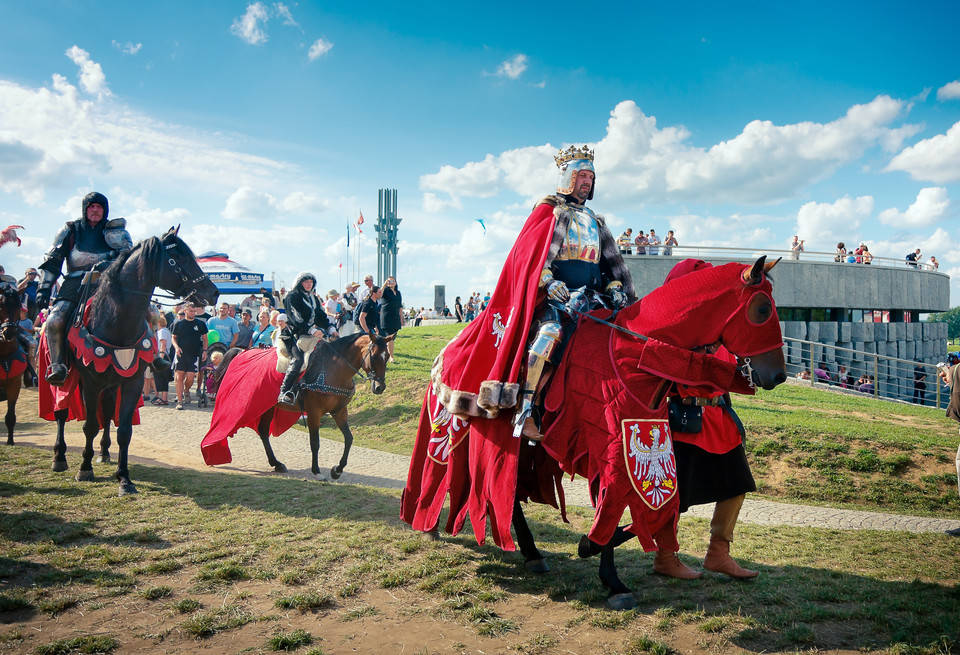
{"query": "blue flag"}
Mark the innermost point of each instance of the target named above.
(348, 235)
(480, 220)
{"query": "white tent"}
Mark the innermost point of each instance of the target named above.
(230, 277)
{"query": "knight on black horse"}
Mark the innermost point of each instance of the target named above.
(87, 243)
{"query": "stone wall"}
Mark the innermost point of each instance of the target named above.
(916, 342)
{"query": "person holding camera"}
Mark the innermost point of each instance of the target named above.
(796, 247)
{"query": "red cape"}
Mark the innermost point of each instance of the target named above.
(249, 389)
(68, 396)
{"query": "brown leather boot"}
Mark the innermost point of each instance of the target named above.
(667, 562)
(718, 560)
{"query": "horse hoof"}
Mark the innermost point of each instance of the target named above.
(103, 459)
(621, 602)
(59, 466)
(279, 468)
(85, 476)
(10, 441)
(587, 548)
(320, 477)
(336, 472)
(432, 535)
(127, 488)
(537, 566)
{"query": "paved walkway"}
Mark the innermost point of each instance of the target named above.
(168, 437)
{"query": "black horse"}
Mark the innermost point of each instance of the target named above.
(13, 357)
(117, 320)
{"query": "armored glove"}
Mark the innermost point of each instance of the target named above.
(618, 298)
(558, 291)
(43, 297)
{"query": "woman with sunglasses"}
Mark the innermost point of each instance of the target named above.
(391, 312)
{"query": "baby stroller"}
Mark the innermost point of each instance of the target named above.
(215, 353)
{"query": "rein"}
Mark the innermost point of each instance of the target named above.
(188, 286)
(368, 355)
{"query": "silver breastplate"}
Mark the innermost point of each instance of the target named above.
(582, 241)
(79, 260)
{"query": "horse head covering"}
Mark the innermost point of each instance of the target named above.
(304, 275)
(98, 198)
(734, 296)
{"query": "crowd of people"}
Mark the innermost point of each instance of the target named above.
(646, 244)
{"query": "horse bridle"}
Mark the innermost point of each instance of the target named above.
(366, 363)
(192, 285)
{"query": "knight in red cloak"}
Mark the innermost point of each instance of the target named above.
(499, 360)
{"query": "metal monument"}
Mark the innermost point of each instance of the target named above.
(387, 223)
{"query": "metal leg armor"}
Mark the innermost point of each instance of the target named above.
(287, 395)
(55, 331)
(543, 351)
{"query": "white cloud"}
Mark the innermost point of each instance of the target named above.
(513, 68)
(57, 133)
(247, 203)
(250, 26)
(936, 159)
(319, 48)
(92, 79)
(127, 48)
(949, 91)
(284, 12)
(930, 206)
(823, 225)
(638, 162)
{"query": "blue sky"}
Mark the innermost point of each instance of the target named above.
(264, 128)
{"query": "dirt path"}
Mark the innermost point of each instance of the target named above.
(167, 437)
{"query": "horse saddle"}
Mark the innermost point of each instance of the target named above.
(307, 344)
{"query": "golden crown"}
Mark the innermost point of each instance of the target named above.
(572, 153)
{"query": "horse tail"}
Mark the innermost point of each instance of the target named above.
(221, 370)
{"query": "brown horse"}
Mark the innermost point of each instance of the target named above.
(13, 358)
(327, 387)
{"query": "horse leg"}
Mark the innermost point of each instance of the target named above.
(130, 390)
(91, 428)
(533, 559)
(341, 420)
(588, 548)
(60, 445)
(108, 402)
(619, 597)
(263, 429)
(13, 393)
(313, 425)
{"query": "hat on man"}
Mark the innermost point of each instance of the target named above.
(352, 285)
(332, 293)
(246, 310)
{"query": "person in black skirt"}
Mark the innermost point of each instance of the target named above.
(391, 312)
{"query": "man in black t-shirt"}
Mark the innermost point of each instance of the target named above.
(189, 338)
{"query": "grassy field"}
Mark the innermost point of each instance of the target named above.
(225, 563)
(806, 445)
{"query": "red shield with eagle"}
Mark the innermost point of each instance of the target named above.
(648, 456)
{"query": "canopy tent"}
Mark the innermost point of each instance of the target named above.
(230, 277)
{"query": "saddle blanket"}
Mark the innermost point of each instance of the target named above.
(249, 389)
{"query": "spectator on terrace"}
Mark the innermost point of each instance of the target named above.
(625, 241)
(919, 384)
(653, 243)
(867, 387)
(796, 247)
(866, 255)
(641, 243)
(913, 259)
(804, 374)
(841, 252)
(844, 377)
(669, 243)
(932, 263)
(823, 375)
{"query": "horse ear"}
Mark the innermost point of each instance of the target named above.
(177, 230)
(755, 274)
(390, 338)
(770, 265)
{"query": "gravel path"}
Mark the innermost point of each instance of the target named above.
(168, 437)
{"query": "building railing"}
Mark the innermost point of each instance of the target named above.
(892, 378)
(706, 252)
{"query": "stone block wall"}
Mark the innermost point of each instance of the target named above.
(918, 342)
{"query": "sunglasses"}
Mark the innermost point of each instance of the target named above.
(181, 314)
